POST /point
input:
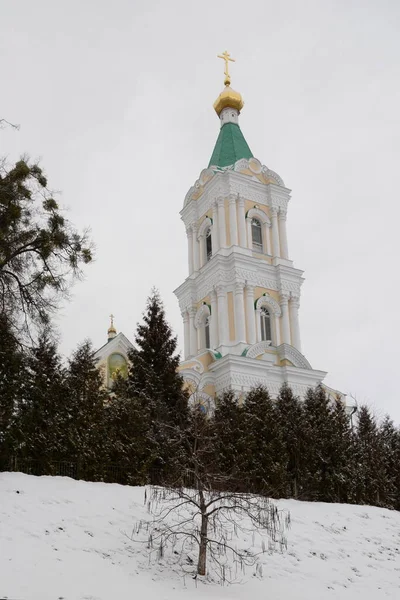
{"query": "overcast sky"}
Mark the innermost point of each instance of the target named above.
(115, 99)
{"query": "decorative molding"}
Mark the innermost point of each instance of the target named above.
(207, 223)
(272, 175)
(203, 312)
(288, 352)
(267, 300)
(257, 212)
(257, 349)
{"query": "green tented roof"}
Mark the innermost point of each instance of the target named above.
(230, 147)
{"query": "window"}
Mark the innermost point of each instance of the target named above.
(256, 234)
(265, 325)
(208, 244)
(207, 333)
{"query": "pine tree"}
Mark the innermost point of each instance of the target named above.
(154, 382)
(85, 409)
(39, 421)
(290, 415)
(264, 458)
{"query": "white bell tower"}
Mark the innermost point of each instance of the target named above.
(240, 301)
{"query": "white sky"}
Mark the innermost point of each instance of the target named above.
(115, 98)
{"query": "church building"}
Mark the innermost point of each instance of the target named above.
(240, 301)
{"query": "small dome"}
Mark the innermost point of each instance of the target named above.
(229, 98)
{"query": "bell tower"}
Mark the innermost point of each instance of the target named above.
(240, 301)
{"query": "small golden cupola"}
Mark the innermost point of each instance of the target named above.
(112, 332)
(228, 98)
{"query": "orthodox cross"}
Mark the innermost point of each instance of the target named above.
(112, 320)
(226, 57)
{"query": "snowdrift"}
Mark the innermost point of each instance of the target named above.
(67, 540)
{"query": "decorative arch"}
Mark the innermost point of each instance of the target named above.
(269, 302)
(257, 213)
(204, 226)
(257, 349)
(203, 312)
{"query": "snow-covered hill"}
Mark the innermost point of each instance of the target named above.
(69, 540)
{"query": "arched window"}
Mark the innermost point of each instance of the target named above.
(207, 332)
(256, 235)
(265, 325)
(208, 244)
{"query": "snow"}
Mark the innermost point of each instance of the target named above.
(70, 540)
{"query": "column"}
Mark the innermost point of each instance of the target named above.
(265, 237)
(192, 332)
(249, 236)
(214, 229)
(189, 234)
(240, 319)
(294, 322)
(251, 320)
(223, 327)
(195, 249)
(277, 330)
(186, 334)
(258, 323)
(241, 222)
(221, 223)
(214, 320)
(202, 251)
(283, 234)
(268, 238)
(285, 318)
(233, 220)
(275, 232)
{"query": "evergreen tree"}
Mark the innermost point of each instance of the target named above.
(39, 421)
(265, 457)
(369, 460)
(85, 411)
(390, 441)
(126, 431)
(228, 436)
(290, 415)
(156, 385)
(12, 371)
(318, 432)
(342, 468)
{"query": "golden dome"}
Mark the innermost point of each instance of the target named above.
(229, 98)
(111, 330)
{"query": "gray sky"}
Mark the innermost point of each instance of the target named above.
(115, 98)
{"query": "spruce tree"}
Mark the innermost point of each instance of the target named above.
(228, 436)
(12, 380)
(84, 432)
(390, 441)
(153, 381)
(290, 415)
(40, 423)
(264, 458)
(369, 460)
(318, 432)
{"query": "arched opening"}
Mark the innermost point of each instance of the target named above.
(265, 319)
(208, 244)
(256, 235)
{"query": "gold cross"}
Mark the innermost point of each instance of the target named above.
(112, 320)
(226, 57)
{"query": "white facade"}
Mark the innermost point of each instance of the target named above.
(240, 302)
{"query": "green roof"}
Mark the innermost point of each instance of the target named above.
(230, 147)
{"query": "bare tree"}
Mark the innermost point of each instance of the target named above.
(200, 511)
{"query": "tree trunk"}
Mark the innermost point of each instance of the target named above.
(201, 567)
